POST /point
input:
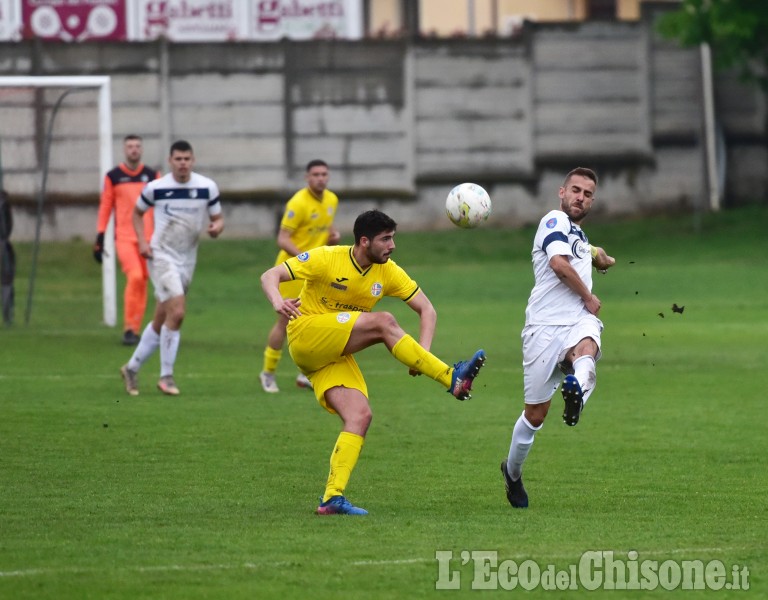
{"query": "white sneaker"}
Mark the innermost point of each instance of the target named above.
(303, 381)
(268, 382)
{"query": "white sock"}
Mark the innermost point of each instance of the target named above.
(147, 345)
(522, 440)
(584, 370)
(169, 347)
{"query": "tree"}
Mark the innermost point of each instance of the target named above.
(736, 30)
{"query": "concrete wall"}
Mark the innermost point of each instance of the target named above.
(399, 122)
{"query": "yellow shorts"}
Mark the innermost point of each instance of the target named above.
(316, 344)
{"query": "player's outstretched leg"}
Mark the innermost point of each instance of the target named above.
(516, 493)
(339, 505)
(574, 400)
(464, 373)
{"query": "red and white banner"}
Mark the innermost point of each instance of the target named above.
(260, 20)
(180, 20)
(305, 19)
(188, 20)
(74, 20)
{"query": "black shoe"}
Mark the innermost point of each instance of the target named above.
(130, 338)
(574, 400)
(566, 367)
(516, 493)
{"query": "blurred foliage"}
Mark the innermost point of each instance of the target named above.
(737, 31)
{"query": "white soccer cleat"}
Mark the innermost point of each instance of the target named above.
(167, 385)
(131, 380)
(303, 381)
(268, 382)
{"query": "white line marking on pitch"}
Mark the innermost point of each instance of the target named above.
(249, 566)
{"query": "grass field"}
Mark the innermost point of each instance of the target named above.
(211, 494)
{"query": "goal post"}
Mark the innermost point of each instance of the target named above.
(102, 83)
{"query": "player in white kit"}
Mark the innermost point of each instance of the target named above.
(186, 204)
(562, 330)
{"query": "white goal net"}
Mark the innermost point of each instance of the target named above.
(56, 133)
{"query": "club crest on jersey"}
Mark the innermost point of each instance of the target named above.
(144, 178)
(342, 317)
(551, 223)
(376, 289)
(303, 257)
(193, 193)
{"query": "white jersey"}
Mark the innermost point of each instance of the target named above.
(552, 302)
(182, 212)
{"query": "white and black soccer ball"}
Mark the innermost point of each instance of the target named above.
(468, 205)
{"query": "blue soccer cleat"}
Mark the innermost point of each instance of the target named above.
(464, 374)
(339, 505)
(574, 400)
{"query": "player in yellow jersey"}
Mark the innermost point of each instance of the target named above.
(331, 320)
(307, 223)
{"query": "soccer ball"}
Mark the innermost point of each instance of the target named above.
(468, 205)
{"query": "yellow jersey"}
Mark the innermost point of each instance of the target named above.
(308, 219)
(334, 282)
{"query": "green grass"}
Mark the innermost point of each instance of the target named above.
(211, 495)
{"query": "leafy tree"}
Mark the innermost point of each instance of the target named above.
(737, 31)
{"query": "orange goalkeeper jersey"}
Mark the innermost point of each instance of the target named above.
(122, 187)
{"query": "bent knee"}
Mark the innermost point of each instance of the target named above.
(359, 421)
(536, 413)
(385, 319)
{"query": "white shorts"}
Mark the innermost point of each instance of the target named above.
(169, 277)
(546, 345)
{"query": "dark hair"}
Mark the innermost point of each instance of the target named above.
(131, 136)
(181, 146)
(316, 163)
(371, 223)
(584, 172)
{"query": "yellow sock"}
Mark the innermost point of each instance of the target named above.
(343, 460)
(410, 353)
(271, 358)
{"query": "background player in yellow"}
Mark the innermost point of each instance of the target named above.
(332, 320)
(307, 223)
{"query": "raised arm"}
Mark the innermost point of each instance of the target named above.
(600, 260)
(568, 275)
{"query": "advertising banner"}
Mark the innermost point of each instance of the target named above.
(259, 20)
(181, 20)
(305, 19)
(190, 20)
(10, 20)
(74, 20)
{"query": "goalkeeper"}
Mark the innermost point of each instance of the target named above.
(122, 186)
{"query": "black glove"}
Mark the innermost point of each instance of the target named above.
(98, 248)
